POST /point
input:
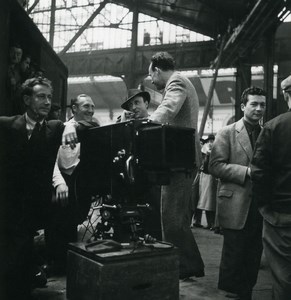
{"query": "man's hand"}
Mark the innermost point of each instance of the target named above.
(127, 115)
(70, 136)
(249, 172)
(62, 194)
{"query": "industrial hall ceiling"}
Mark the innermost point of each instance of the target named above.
(240, 24)
(208, 17)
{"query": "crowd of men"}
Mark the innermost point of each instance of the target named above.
(38, 159)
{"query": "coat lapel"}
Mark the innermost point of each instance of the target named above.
(20, 126)
(243, 138)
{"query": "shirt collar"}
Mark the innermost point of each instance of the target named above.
(31, 122)
(250, 126)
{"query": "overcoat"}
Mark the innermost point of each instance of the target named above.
(229, 160)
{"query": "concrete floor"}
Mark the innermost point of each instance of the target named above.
(205, 288)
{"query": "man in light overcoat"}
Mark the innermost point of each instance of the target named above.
(237, 212)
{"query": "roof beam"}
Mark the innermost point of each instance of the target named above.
(246, 36)
(84, 27)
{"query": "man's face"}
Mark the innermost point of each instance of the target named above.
(286, 95)
(39, 103)
(156, 77)
(25, 64)
(254, 109)
(139, 107)
(15, 55)
(84, 109)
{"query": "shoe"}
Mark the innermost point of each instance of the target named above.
(54, 269)
(39, 279)
(197, 225)
(232, 296)
(216, 230)
(187, 279)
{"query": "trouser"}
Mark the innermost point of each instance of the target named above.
(176, 218)
(241, 256)
(16, 257)
(62, 226)
(277, 247)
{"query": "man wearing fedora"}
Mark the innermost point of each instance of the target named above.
(271, 177)
(135, 106)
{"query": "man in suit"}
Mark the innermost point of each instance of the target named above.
(271, 177)
(179, 107)
(29, 146)
(237, 212)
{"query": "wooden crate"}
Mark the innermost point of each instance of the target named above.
(143, 274)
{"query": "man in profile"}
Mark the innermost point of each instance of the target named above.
(179, 107)
(271, 177)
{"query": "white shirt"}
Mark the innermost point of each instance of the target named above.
(67, 160)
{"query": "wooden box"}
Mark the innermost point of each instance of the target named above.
(151, 274)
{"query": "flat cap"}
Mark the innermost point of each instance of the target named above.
(286, 84)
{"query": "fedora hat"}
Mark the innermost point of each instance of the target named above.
(133, 93)
(286, 84)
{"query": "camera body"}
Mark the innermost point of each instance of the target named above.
(124, 160)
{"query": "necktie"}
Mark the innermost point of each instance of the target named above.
(35, 132)
(254, 135)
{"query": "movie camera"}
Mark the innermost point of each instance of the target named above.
(120, 162)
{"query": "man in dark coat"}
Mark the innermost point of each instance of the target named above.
(29, 146)
(271, 177)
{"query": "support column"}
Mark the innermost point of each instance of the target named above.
(52, 23)
(271, 110)
(130, 77)
(243, 81)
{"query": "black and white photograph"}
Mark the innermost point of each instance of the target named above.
(145, 150)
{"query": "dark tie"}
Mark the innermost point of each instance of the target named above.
(254, 135)
(35, 135)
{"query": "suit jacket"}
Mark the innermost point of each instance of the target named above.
(26, 168)
(179, 107)
(229, 159)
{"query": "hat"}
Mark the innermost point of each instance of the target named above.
(286, 84)
(210, 137)
(133, 93)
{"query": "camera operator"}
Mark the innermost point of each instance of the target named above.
(136, 107)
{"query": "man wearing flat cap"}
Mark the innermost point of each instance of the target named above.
(271, 178)
(135, 106)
